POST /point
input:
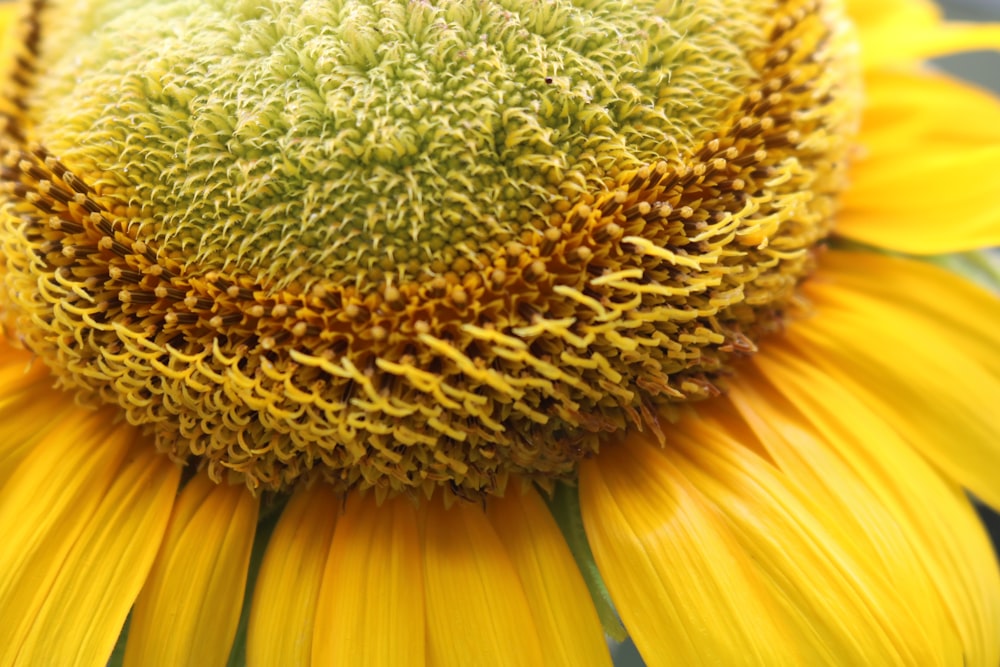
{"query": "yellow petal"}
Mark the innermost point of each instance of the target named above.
(857, 502)
(563, 611)
(927, 179)
(868, 457)
(673, 567)
(931, 296)
(88, 602)
(9, 11)
(45, 506)
(371, 605)
(29, 406)
(896, 31)
(477, 612)
(188, 611)
(932, 375)
(283, 614)
(839, 598)
(8, 14)
(903, 104)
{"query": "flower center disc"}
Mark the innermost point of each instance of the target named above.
(401, 244)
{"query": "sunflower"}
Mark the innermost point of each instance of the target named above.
(468, 333)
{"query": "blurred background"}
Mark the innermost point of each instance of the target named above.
(984, 68)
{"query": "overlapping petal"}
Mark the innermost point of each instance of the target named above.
(477, 612)
(926, 174)
(918, 526)
(189, 608)
(410, 582)
(562, 610)
(685, 589)
(371, 605)
(283, 614)
(116, 550)
(932, 371)
(48, 508)
(28, 406)
(901, 31)
(854, 549)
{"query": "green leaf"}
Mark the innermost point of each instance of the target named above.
(565, 507)
(117, 658)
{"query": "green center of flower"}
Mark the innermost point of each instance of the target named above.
(410, 244)
(401, 139)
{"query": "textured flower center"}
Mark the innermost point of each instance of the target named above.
(407, 244)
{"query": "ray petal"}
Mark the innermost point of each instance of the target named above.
(283, 614)
(928, 168)
(9, 11)
(477, 612)
(371, 606)
(897, 31)
(188, 611)
(45, 506)
(685, 591)
(29, 406)
(561, 605)
(865, 457)
(837, 592)
(933, 373)
(88, 602)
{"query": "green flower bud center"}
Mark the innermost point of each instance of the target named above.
(392, 137)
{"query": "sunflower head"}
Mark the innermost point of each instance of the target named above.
(405, 245)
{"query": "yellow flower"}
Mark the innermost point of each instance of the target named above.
(365, 288)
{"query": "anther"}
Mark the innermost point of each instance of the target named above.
(497, 278)
(394, 298)
(641, 209)
(514, 250)
(197, 303)
(534, 271)
(125, 275)
(436, 288)
(356, 312)
(641, 178)
(757, 157)
(103, 224)
(67, 226)
(580, 255)
(578, 217)
(136, 296)
(549, 240)
(86, 202)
